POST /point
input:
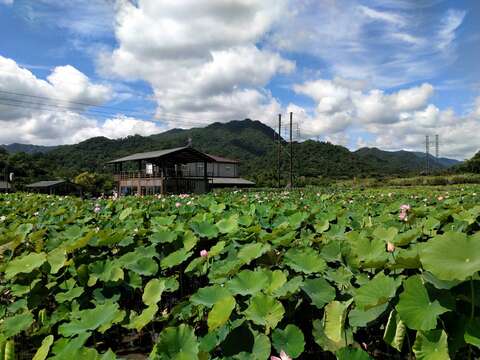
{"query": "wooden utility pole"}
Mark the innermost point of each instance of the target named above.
(291, 151)
(279, 146)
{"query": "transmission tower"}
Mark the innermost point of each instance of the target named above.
(427, 154)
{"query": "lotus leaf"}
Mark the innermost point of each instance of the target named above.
(176, 343)
(304, 260)
(415, 307)
(431, 345)
(220, 312)
(319, 291)
(452, 256)
(24, 264)
(377, 291)
(265, 310)
(290, 340)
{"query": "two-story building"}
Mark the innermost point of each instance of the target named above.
(178, 170)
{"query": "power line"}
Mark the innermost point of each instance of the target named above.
(21, 105)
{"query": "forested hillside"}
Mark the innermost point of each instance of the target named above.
(249, 141)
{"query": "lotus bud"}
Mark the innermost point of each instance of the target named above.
(390, 247)
(204, 253)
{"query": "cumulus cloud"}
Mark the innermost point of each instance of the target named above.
(396, 120)
(51, 111)
(200, 57)
(390, 43)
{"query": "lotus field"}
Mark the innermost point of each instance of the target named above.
(313, 274)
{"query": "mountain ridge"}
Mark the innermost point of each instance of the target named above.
(250, 141)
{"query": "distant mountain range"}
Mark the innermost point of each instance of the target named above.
(249, 141)
(27, 148)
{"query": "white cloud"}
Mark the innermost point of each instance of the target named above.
(388, 44)
(200, 57)
(398, 120)
(52, 113)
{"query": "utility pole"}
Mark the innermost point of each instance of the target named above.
(291, 151)
(279, 146)
(437, 147)
(427, 154)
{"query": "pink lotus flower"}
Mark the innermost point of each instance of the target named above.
(204, 253)
(440, 198)
(178, 204)
(403, 216)
(405, 207)
(283, 356)
(97, 209)
(390, 247)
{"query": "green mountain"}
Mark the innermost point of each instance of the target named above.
(251, 142)
(27, 148)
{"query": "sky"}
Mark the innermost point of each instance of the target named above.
(377, 73)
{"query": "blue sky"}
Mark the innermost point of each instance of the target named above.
(358, 73)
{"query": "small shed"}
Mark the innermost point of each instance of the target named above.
(5, 187)
(55, 187)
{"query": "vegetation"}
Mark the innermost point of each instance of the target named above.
(382, 273)
(247, 140)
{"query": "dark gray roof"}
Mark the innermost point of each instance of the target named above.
(5, 185)
(46, 183)
(221, 159)
(160, 153)
(231, 181)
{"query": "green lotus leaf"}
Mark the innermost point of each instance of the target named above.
(138, 322)
(321, 225)
(69, 348)
(228, 225)
(261, 347)
(220, 312)
(175, 258)
(276, 279)
(14, 325)
(125, 213)
(472, 332)
(334, 320)
(318, 333)
(248, 282)
(290, 287)
(386, 235)
(452, 256)
(415, 307)
(377, 291)
(144, 266)
(163, 236)
(395, 331)
(209, 295)
(305, 260)
(24, 264)
(439, 284)
(205, 229)
(407, 237)
(71, 294)
(153, 291)
(90, 319)
(176, 343)
(295, 220)
(431, 345)
(250, 252)
(56, 259)
(319, 291)
(370, 254)
(348, 353)
(216, 249)
(43, 350)
(290, 340)
(265, 310)
(105, 271)
(360, 318)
